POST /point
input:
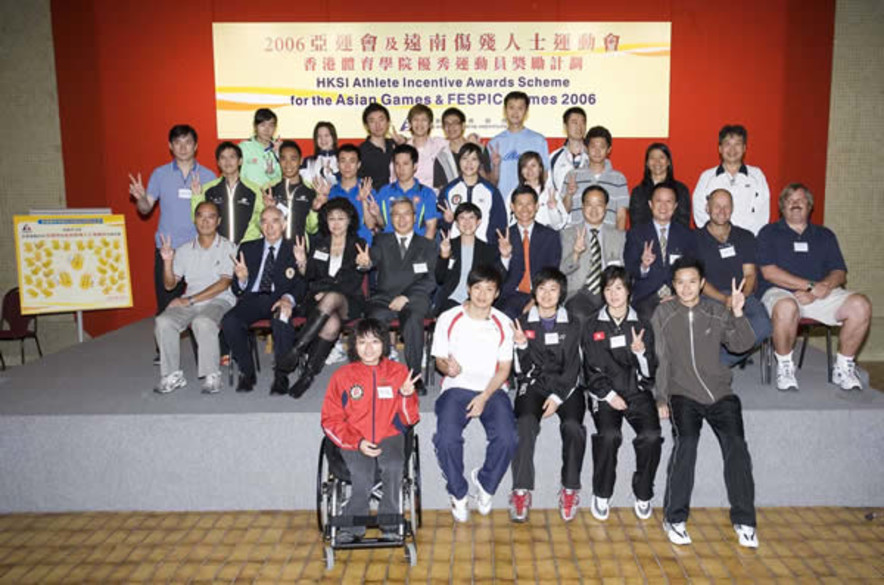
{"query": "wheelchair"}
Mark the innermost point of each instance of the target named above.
(333, 492)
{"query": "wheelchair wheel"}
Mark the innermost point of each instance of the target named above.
(322, 490)
(415, 489)
(411, 553)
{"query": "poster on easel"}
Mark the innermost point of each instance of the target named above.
(71, 262)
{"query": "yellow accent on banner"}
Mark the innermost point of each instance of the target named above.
(617, 71)
(72, 263)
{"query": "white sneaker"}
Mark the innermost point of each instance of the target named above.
(747, 535)
(459, 509)
(845, 377)
(394, 355)
(599, 508)
(337, 355)
(786, 381)
(212, 383)
(677, 533)
(171, 382)
(483, 498)
(643, 509)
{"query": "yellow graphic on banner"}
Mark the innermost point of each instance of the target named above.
(72, 263)
(618, 72)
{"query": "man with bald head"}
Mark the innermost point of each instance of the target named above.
(803, 276)
(728, 255)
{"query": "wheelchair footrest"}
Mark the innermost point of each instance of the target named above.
(367, 521)
(370, 543)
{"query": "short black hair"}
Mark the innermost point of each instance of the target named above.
(225, 146)
(484, 273)
(206, 202)
(290, 144)
(179, 130)
(571, 111)
(688, 262)
(733, 130)
(350, 148)
(612, 273)
(592, 188)
(467, 207)
(517, 95)
(664, 185)
(599, 132)
(371, 109)
(469, 147)
(331, 130)
(263, 115)
(550, 273)
(338, 204)
(364, 328)
(405, 149)
(454, 112)
(522, 190)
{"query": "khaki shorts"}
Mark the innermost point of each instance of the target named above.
(822, 310)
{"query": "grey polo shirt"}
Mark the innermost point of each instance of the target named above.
(202, 267)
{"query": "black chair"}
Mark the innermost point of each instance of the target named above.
(17, 326)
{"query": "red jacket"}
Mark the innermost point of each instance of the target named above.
(363, 402)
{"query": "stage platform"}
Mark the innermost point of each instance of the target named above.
(83, 430)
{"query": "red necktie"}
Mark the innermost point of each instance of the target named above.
(525, 283)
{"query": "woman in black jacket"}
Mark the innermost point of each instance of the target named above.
(619, 365)
(658, 168)
(334, 289)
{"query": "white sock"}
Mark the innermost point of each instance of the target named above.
(843, 361)
(782, 359)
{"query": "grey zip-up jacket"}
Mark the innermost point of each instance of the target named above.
(688, 341)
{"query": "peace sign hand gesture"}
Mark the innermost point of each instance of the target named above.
(195, 187)
(239, 268)
(136, 188)
(269, 201)
(738, 299)
(364, 189)
(363, 258)
(167, 253)
(504, 246)
(638, 344)
(447, 213)
(572, 184)
(397, 138)
(519, 337)
(648, 256)
(580, 242)
(373, 207)
(494, 154)
(408, 386)
(300, 250)
(445, 245)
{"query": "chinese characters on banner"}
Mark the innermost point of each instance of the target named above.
(72, 262)
(307, 72)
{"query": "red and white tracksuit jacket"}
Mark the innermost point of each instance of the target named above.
(363, 402)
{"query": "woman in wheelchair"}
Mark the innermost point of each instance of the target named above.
(369, 406)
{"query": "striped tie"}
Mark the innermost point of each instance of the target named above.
(663, 242)
(595, 263)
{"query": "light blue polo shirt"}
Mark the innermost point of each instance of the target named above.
(169, 188)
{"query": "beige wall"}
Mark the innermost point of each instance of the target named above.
(855, 172)
(31, 171)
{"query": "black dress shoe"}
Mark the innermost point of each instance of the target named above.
(245, 383)
(302, 384)
(420, 388)
(280, 385)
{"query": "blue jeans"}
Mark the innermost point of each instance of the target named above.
(760, 322)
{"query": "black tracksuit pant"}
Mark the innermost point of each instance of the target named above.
(726, 419)
(641, 414)
(528, 410)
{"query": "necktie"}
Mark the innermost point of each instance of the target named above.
(525, 283)
(595, 263)
(663, 242)
(403, 249)
(266, 285)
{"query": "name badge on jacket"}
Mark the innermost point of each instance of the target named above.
(802, 247)
(385, 392)
(618, 341)
(420, 267)
(551, 338)
(320, 255)
(727, 252)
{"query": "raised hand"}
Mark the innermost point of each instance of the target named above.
(300, 250)
(648, 256)
(445, 245)
(363, 258)
(571, 188)
(276, 144)
(447, 213)
(494, 154)
(397, 138)
(267, 196)
(638, 344)
(136, 188)
(519, 337)
(504, 246)
(373, 207)
(240, 269)
(738, 299)
(364, 189)
(552, 202)
(580, 241)
(195, 187)
(408, 386)
(167, 253)
(322, 186)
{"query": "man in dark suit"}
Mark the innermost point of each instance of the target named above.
(458, 256)
(265, 280)
(529, 247)
(587, 249)
(651, 249)
(406, 265)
